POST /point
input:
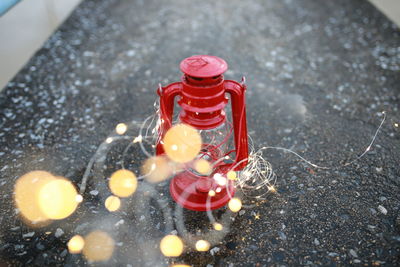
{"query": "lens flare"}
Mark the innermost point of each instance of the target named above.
(202, 166)
(57, 199)
(123, 183)
(99, 246)
(121, 128)
(202, 245)
(235, 204)
(26, 191)
(156, 169)
(231, 175)
(171, 246)
(75, 244)
(182, 143)
(218, 226)
(113, 203)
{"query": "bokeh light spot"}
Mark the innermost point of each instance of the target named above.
(75, 244)
(99, 246)
(182, 143)
(113, 203)
(202, 245)
(156, 169)
(121, 128)
(211, 193)
(202, 166)
(218, 226)
(57, 199)
(171, 246)
(235, 204)
(123, 183)
(26, 191)
(231, 175)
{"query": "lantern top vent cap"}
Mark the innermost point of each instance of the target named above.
(203, 66)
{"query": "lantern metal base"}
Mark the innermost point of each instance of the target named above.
(191, 191)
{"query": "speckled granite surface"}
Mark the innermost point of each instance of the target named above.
(318, 73)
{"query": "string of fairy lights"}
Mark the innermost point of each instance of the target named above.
(41, 197)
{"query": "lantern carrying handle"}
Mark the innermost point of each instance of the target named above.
(167, 95)
(238, 102)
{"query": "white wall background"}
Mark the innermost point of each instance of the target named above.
(390, 8)
(25, 28)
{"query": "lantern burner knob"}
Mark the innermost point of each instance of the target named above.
(203, 66)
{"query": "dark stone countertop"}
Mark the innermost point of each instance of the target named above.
(318, 72)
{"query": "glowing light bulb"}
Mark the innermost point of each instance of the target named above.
(109, 140)
(182, 143)
(202, 166)
(26, 192)
(202, 245)
(57, 199)
(79, 198)
(211, 193)
(137, 139)
(271, 188)
(121, 128)
(219, 179)
(156, 169)
(112, 203)
(247, 174)
(99, 246)
(171, 246)
(231, 175)
(235, 204)
(218, 226)
(75, 244)
(123, 183)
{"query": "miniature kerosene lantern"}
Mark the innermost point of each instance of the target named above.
(202, 96)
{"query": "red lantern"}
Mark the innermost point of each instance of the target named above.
(202, 95)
